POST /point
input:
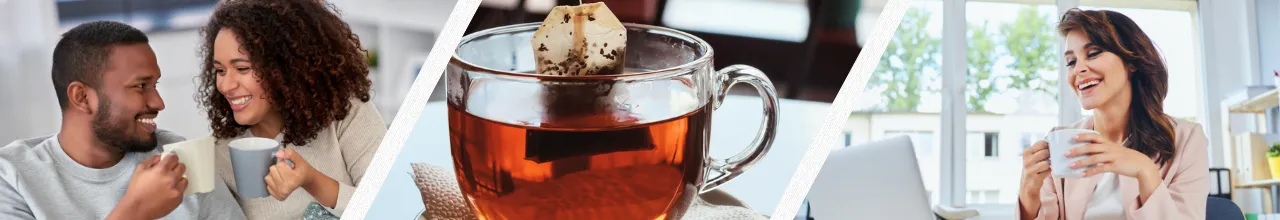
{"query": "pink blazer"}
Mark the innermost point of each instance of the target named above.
(1182, 194)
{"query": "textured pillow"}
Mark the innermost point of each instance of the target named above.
(440, 193)
(315, 211)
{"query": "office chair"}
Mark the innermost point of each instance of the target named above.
(1222, 209)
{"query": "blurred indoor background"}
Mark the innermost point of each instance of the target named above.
(806, 47)
(398, 33)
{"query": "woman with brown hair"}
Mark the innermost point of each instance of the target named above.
(290, 70)
(1146, 165)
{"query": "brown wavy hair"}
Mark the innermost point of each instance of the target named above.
(309, 62)
(1148, 130)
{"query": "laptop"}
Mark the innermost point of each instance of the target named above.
(877, 180)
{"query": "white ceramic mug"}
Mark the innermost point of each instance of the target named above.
(1060, 142)
(197, 155)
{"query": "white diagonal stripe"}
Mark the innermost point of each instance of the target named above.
(403, 123)
(840, 109)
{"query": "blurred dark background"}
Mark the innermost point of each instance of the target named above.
(806, 47)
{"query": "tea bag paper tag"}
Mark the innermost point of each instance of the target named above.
(580, 40)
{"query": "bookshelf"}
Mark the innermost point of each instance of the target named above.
(1247, 159)
(1258, 104)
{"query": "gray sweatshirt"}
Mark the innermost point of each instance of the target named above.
(39, 181)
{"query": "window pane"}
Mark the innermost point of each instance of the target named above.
(1173, 33)
(902, 97)
(1011, 87)
(992, 146)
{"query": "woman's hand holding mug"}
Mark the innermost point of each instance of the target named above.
(283, 179)
(292, 172)
(1109, 156)
(1035, 169)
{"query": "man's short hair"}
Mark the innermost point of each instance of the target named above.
(81, 54)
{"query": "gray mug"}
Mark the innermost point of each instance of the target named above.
(251, 158)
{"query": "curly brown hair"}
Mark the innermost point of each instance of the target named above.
(308, 60)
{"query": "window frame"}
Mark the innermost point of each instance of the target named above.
(952, 188)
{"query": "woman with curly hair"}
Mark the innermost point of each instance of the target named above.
(293, 71)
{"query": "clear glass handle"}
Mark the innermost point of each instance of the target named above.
(734, 166)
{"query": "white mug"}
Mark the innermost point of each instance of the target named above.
(1060, 142)
(197, 155)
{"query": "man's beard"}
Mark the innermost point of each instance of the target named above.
(114, 133)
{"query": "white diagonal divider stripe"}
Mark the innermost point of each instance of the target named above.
(838, 114)
(403, 123)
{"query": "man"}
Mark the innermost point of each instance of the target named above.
(104, 163)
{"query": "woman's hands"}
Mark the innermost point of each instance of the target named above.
(283, 179)
(1035, 168)
(1108, 156)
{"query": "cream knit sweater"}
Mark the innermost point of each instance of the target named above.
(341, 151)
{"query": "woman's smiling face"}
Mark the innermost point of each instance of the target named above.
(237, 80)
(1097, 76)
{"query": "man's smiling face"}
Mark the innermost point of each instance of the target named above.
(127, 99)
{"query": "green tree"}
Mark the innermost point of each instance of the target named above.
(1030, 41)
(981, 56)
(905, 59)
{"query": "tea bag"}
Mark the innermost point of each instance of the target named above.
(583, 40)
(580, 40)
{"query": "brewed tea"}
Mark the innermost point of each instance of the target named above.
(611, 170)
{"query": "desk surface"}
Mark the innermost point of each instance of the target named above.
(733, 124)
